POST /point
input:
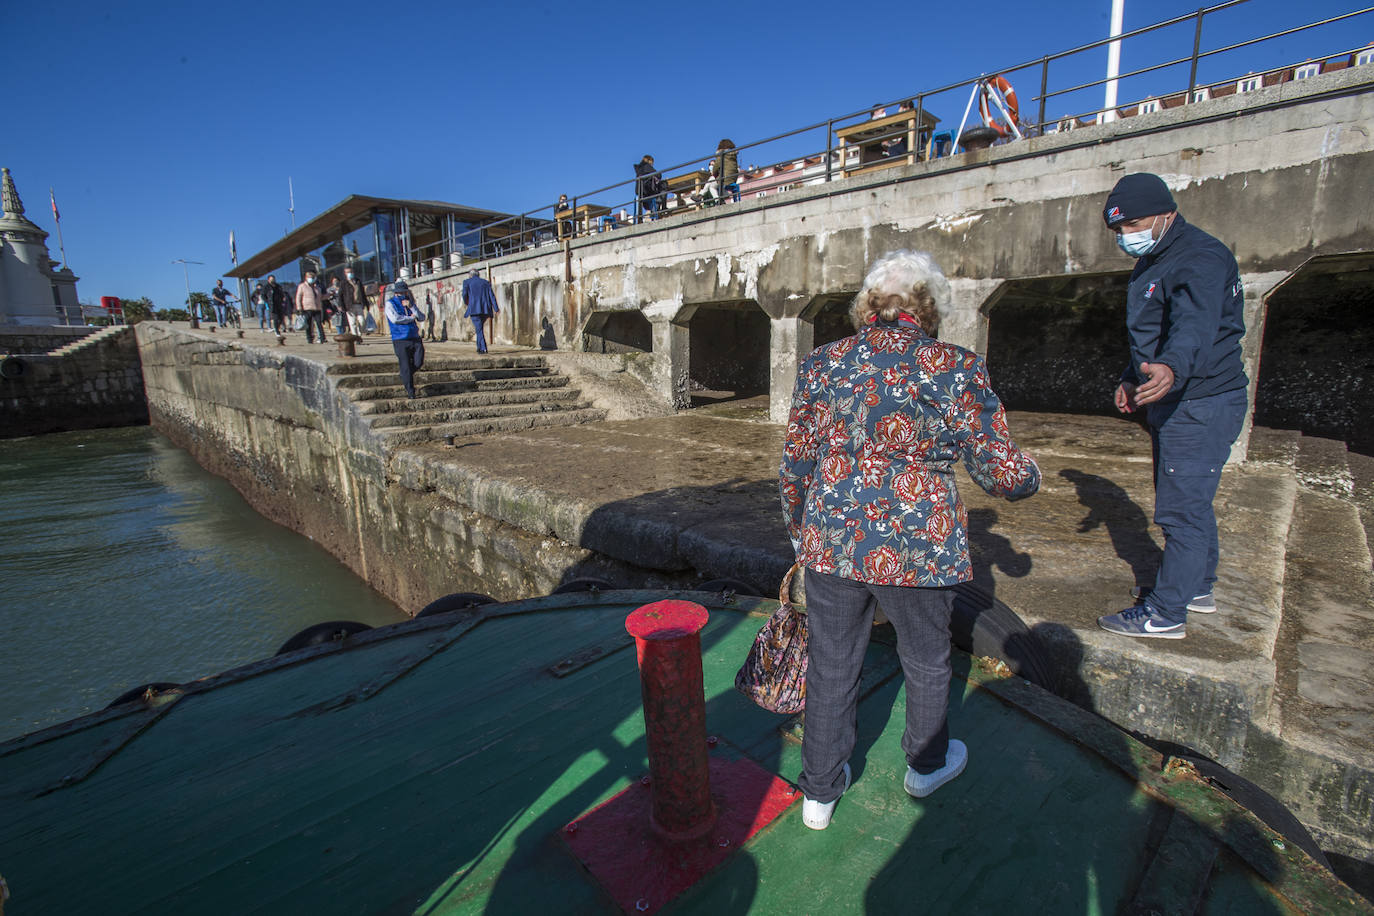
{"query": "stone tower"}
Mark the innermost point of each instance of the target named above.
(29, 290)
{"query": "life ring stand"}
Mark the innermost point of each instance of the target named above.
(1006, 94)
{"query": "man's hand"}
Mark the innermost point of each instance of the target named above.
(1159, 378)
(1125, 397)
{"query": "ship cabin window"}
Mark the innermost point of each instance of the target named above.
(1306, 71)
(1248, 83)
(1149, 106)
(1200, 95)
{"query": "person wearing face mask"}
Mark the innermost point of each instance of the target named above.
(310, 303)
(353, 301)
(1185, 320)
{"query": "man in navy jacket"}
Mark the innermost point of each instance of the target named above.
(480, 300)
(1185, 319)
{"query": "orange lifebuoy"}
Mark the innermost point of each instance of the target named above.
(1003, 88)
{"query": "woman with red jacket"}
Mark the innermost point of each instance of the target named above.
(867, 481)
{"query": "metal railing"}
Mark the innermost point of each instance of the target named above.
(811, 155)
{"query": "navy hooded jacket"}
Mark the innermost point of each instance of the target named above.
(1185, 309)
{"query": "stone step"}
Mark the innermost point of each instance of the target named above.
(375, 379)
(427, 385)
(1322, 465)
(1274, 446)
(555, 389)
(423, 415)
(89, 340)
(375, 366)
(414, 435)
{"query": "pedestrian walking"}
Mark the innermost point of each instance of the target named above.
(278, 299)
(353, 301)
(648, 185)
(403, 319)
(868, 491)
(310, 303)
(481, 305)
(1185, 319)
(219, 297)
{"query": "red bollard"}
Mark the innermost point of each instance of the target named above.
(668, 645)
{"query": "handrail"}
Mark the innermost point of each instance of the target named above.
(532, 224)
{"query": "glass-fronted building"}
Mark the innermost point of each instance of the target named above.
(381, 239)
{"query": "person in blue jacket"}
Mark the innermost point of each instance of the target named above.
(1185, 319)
(404, 320)
(481, 305)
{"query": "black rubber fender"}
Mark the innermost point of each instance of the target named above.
(982, 625)
(321, 633)
(12, 367)
(137, 693)
(738, 586)
(583, 584)
(1245, 793)
(458, 601)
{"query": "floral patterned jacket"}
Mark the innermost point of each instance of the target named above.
(867, 475)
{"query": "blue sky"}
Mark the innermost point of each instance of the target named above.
(162, 126)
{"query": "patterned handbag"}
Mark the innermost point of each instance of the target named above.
(774, 673)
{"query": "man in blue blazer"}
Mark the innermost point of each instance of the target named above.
(481, 305)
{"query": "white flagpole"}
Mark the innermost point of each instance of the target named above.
(1113, 61)
(290, 189)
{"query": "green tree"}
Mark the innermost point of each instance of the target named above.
(201, 303)
(173, 315)
(136, 310)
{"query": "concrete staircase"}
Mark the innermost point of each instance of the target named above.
(90, 340)
(463, 396)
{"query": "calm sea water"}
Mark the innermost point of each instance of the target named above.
(123, 562)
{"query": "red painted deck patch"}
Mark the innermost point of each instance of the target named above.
(641, 872)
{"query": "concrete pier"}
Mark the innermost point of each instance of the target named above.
(1276, 685)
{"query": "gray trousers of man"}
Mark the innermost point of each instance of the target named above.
(839, 625)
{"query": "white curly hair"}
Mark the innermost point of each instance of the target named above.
(904, 281)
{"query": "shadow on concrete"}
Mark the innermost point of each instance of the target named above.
(1127, 525)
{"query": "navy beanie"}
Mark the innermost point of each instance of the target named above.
(1135, 196)
(400, 287)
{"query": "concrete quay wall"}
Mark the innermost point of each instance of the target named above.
(1276, 174)
(94, 384)
(275, 426)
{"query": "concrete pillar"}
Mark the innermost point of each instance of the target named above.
(967, 324)
(790, 340)
(1258, 288)
(672, 351)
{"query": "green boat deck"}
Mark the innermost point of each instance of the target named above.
(429, 767)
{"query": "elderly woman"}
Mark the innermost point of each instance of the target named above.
(867, 480)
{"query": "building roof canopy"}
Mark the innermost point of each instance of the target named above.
(349, 214)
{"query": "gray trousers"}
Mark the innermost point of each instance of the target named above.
(839, 624)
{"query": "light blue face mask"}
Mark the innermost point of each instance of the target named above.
(1139, 243)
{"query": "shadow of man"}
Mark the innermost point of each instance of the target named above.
(1127, 525)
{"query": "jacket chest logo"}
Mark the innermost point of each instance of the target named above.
(1150, 290)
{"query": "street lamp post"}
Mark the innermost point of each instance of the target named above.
(186, 272)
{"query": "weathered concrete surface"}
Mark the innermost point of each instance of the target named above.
(88, 381)
(992, 219)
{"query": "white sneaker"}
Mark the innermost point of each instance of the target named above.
(816, 815)
(919, 785)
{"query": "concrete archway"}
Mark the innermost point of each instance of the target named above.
(1058, 344)
(1316, 364)
(729, 345)
(829, 318)
(618, 331)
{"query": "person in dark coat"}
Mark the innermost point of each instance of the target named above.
(649, 185)
(1185, 317)
(480, 300)
(353, 301)
(726, 166)
(277, 299)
